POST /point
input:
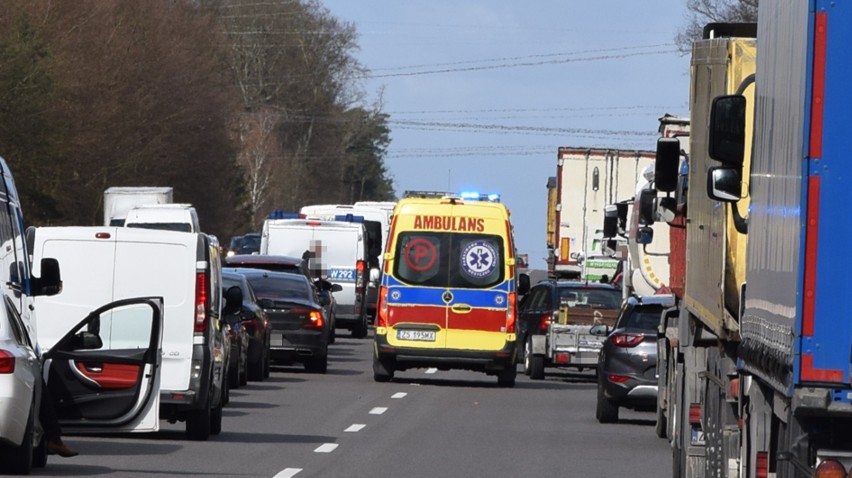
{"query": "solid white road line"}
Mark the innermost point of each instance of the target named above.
(355, 428)
(378, 410)
(326, 448)
(287, 473)
(399, 395)
(431, 370)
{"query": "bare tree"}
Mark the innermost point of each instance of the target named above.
(702, 12)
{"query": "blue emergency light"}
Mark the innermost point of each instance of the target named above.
(279, 214)
(349, 218)
(476, 196)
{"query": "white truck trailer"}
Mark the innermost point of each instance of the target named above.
(118, 201)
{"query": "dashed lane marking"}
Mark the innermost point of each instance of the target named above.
(399, 395)
(431, 370)
(378, 410)
(326, 448)
(287, 473)
(355, 428)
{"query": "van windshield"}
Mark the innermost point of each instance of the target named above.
(163, 226)
(445, 259)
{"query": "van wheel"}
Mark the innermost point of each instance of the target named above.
(382, 369)
(18, 460)
(506, 377)
(216, 420)
(360, 330)
(198, 424)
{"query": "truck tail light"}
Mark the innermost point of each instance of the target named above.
(695, 414)
(761, 465)
(512, 300)
(830, 469)
(360, 267)
(627, 340)
(7, 362)
(382, 308)
(200, 302)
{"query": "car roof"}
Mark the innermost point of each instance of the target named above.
(662, 299)
(256, 259)
(248, 271)
(576, 284)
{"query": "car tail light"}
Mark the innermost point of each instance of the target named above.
(627, 340)
(382, 317)
(315, 320)
(618, 378)
(695, 414)
(545, 320)
(7, 362)
(510, 312)
(200, 302)
(761, 465)
(359, 277)
(830, 469)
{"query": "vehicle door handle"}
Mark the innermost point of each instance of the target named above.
(462, 308)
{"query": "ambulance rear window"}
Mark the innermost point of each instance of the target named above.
(448, 259)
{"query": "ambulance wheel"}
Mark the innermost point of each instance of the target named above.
(382, 369)
(506, 377)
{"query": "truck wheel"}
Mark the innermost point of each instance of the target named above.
(317, 364)
(198, 424)
(506, 377)
(537, 367)
(605, 411)
(382, 369)
(661, 426)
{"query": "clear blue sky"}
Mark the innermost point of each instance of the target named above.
(481, 93)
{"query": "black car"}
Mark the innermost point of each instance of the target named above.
(542, 305)
(254, 319)
(300, 330)
(627, 375)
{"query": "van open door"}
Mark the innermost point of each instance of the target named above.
(104, 375)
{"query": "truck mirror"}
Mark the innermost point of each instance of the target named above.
(644, 235)
(647, 206)
(727, 129)
(667, 164)
(723, 184)
(610, 224)
(667, 209)
(621, 208)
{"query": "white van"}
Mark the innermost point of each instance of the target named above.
(104, 264)
(336, 251)
(167, 217)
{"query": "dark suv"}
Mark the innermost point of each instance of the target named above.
(627, 375)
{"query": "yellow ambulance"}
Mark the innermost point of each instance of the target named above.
(449, 289)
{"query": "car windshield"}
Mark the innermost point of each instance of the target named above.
(163, 226)
(443, 259)
(276, 287)
(588, 297)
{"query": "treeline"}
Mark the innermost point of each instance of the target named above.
(242, 106)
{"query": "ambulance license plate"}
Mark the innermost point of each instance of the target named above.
(421, 335)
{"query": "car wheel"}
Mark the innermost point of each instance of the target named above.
(18, 460)
(317, 365)
(527, 356)
(40, 453)
(506, 377)
(267, 364)
(255, 369)
(198, 424)
(244, 369)
(234, 376)
(537, 367)
(382, 369)
(605, 410)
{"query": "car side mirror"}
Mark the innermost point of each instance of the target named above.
(599, 330)
(324, 299)
(86, 341)
(233, 301)
(336, 288)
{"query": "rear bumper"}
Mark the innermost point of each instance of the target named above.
(295, 345)
(635, 392)
(477, 360)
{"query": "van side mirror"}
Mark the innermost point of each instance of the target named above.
(667, 164)
(723, 184)
(523, 284)
(233, 301)
(50, 282)
(727, 130)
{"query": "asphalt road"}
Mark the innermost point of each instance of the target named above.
(425, 423)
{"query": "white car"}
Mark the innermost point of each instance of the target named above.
(106, 368)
